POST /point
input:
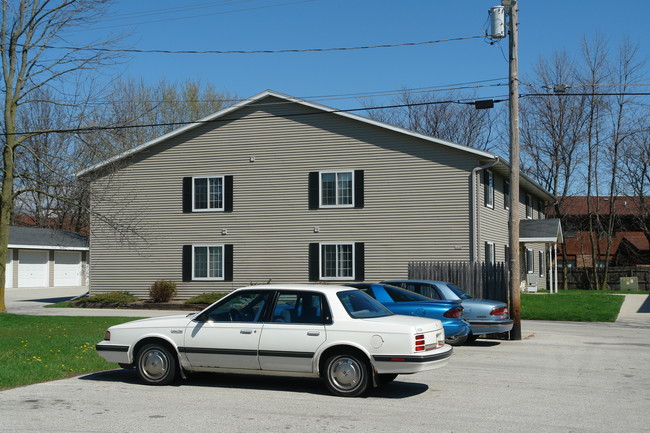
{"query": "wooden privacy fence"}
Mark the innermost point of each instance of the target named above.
(481, 280)
(581, 278)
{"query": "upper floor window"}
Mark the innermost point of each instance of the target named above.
(336, 189)
(207, 193)
(529, 206)
(506, 193)
(488, 181)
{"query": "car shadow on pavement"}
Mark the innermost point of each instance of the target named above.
(51, 300)
(483, 343)
(393, 390)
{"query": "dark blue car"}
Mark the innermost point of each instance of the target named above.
(401, 301)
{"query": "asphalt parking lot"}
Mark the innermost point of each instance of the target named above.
(562, 377)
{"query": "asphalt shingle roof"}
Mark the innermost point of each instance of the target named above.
(41, 237)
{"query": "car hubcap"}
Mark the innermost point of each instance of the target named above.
(346, 373)
(154, 364)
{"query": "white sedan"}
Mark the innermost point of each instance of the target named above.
(334, 332)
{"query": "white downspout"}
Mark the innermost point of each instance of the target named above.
(474, 210)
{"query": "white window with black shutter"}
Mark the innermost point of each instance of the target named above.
(336, 189)
(530, 261)
(336, 261)
(208, 194)
(208, 262)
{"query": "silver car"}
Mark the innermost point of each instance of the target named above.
(484, 316)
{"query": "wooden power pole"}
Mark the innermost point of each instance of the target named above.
(513, 222)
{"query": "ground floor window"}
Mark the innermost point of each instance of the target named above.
(336, 261)
(207, 262)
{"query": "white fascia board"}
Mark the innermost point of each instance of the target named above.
(47, 247)
(287, 98)
(537, 240)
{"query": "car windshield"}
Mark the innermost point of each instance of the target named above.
(458, 292)
(361, 306)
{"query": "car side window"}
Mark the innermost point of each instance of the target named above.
(246, 306)
(298, 307)
(429, 291)
(398, 295)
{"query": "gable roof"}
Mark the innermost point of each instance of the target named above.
(501, 166)
(41, 238)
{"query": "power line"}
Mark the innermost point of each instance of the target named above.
(230, 119)
(586, 94)
(300, 50)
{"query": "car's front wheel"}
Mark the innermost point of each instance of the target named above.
(156, 364)
(346, 375)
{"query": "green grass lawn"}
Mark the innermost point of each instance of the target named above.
(40, 348)
(571, 306)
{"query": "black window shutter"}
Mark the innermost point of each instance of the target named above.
(358, 188)
(313, 190)
(359, 261)
(228, 190)
(228, 262)
(314, 262)
(187, 194)
(187, 262)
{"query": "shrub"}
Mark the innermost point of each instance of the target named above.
(162, 291)
(206, 298)
(112, 298)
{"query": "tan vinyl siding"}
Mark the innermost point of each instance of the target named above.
(416, 201)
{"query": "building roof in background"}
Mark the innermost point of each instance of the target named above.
(580, 206)
(40, 238)
(581, 244)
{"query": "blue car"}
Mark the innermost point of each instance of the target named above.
(401, 301)
(484, 316)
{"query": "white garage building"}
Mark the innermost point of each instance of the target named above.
(39, 257)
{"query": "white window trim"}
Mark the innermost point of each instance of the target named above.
(223, 262)
(493, 251)
(320, 190)
(223, 194)
(506, 197)
(531, 269)
(320, 262)
(542, 264)
(489, 198)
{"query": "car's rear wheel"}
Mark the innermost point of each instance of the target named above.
(456, 341)
(383, 379)
(347, 375)
(156, 364)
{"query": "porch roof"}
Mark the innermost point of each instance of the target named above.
(543, 230)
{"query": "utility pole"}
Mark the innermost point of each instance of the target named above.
(513, 222)
(497, 23)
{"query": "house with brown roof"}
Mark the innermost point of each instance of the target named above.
(585, 221)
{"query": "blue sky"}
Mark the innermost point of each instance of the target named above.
(545, 27)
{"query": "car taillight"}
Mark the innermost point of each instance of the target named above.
(107, 335)
(419, 343)
(499, 311)
(454, 312)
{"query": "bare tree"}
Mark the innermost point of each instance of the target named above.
(440, 115)
(29, 69)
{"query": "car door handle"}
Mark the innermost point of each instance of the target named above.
(246, 331)
(313, 333)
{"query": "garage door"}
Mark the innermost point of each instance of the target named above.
(33, 268)
(67, 268)
(9, 273)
